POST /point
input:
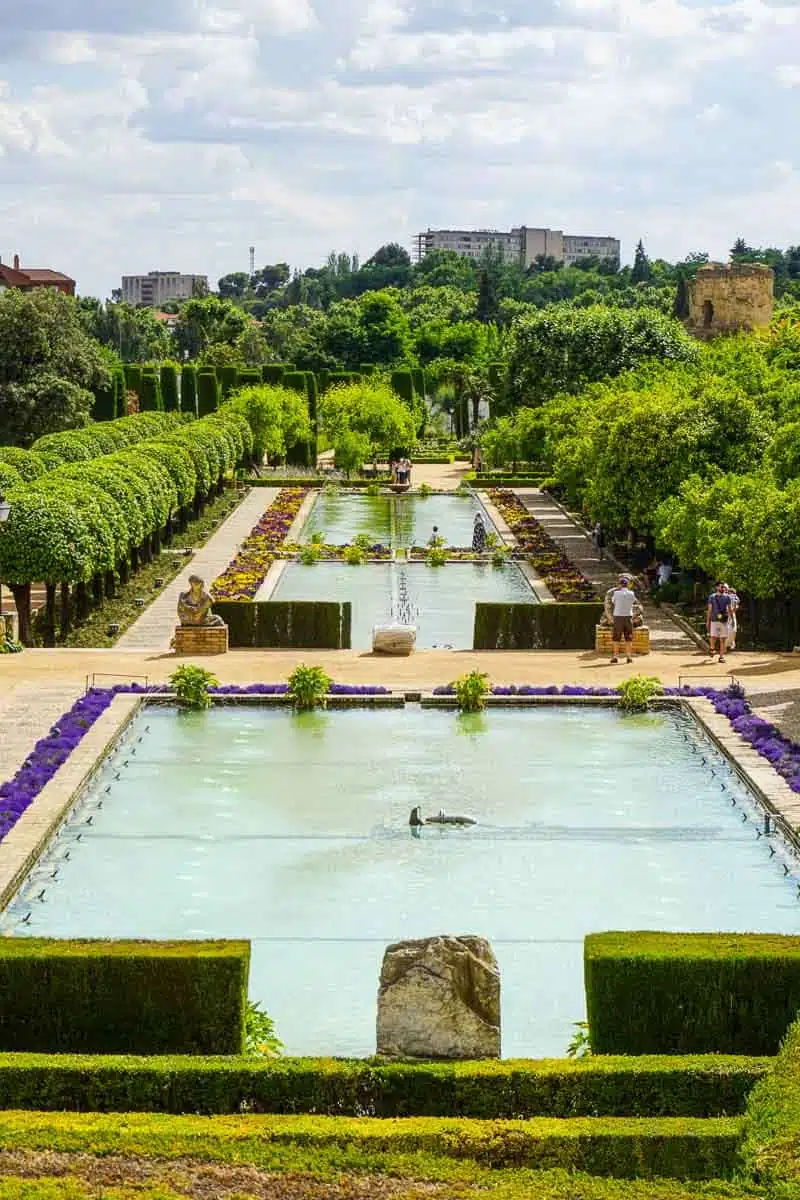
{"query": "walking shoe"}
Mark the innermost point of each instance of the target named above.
(614, 661)
(629, 658)
(722, 658)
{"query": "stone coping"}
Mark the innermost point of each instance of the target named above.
(29, 836)
(303, 513)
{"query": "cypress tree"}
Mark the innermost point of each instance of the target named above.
(227, 378)
(403, 386)
(189, 389)
(208, 391)
(680, 307)
(641, 265)
(150, 398)
(487, 298)
(418, 375)
(105, 402)
(323, 380)
(133, 377)
(169, 387)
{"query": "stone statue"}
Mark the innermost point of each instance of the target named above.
(194, 606)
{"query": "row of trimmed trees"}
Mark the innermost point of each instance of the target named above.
(89, 506)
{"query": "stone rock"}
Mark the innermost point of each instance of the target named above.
(439, 997)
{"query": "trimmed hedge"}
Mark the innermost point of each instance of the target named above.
(272, 372)
(618, 1147)
(418, 378)
(690, 993)
(133, 377)
(403, 386)
(536, 627)
(303, 624)
(228, 378)
(150, 398)
(169, 387)
(208, 391)
(189, 389)
(112, 997)
(707, 1086)
(771, 1150)
(249, 377)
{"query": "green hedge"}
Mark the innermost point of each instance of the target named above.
(620, 1147)
(189, 389)
(690, 993)
(150, 398)
(771, 1150)
(105, 402)
(704, 1086)
(228, 377)
(304, 624)
(169, 387)
(403, 386)
(208, 391)
(272, 372)
(535, 626)
(113, 997)
(418, 378)
(249, 377)
(133, 377)
(343, 377)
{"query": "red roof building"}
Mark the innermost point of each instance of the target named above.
(28, 278)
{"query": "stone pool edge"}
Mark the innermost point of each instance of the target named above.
(27, 839)
(534, 580)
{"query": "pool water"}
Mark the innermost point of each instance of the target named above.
(444, 597)
(405, 520)
(292, 831)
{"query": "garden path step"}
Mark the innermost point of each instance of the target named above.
(154, 628)
(576, 542)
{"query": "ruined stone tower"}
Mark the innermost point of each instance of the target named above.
(723, 299)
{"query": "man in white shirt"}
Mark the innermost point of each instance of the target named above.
(622, 604)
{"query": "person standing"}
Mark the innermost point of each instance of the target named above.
(623, 600)
(478, 535)
(718, 620)
(598, 540)
(733, 624)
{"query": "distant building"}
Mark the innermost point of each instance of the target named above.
(521, 245)
(159, 287)
(28, 278)
(727, 298)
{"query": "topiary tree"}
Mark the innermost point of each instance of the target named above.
(9, 479)
(169, 387)
(57, 448)
(189, 389)
(133, 377)
(272, 373)
(150, 398)
(208, 391)
(27, 462)
(227, 375)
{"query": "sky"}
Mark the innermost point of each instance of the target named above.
(141, 135)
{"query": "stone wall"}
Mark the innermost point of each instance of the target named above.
(723, 299)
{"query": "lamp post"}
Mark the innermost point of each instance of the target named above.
(5, 511)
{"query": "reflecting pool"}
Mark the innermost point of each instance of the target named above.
(406, 520)
(292, 830)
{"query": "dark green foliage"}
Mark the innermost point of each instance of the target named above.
(150, 398)
(189, 389)
(323, 380)
(367, 369)
(692, 993)
(169, 387)
(641, 265)
(272, 372)
(120, 392)
(535, 626)
(403, 386)
(228, 379)
(248, 377)
(105, 401)
(118, 997)
(312, 394)
(680, 307)
(296, 380)
(709, 1086)
(303, 624)
(208, 391)
(771, 1150)
(133, 377)
(343, 377)
(418, 379)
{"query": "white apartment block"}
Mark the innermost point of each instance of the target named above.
(157, 287)
(522, 244)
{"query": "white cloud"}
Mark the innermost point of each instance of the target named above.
(180, 133)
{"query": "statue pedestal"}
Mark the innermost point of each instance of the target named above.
(201, 639)
(641, 639)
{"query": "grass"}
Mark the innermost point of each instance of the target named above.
(122, 610)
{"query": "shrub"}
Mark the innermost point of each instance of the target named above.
(771, 1149)
(169, 387)
(133, 377)
(499, 556)
(9, 478)
(308, 687)
(471, 691)
(191, 685)
(208, 391)
(150, 398)
(692, 993)
(424, 490)
(116, 997)
(261, 1040)
(604, 1085)
(272, 373)
(26, 462)
(354, 556)
(403, 385)
(228, 378)
(436, 556)
(189, 389)
(636, 693)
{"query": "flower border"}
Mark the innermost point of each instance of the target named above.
(566, 582)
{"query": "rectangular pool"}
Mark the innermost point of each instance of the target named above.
(405, 520)
(292, 830)
(444, 597)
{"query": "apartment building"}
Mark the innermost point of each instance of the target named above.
(522, 244)
(156, 288)
(28, 278)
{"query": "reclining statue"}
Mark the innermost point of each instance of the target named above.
(194, 606)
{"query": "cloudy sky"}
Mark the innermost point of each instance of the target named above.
(173, 134)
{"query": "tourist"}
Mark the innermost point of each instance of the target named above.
(478, 534)
(733, 624)
(622, 604)
(435, 539)
(598, 540)
(663, 572)
(718, 620)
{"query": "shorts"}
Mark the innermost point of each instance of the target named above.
(719, 629)
(623, 629)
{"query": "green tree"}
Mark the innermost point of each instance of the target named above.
(641, 265)
(487, 298)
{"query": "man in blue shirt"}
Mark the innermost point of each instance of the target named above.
(717, 620)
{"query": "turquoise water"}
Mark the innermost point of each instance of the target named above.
(444, 597)
(292, 831)
(405, 520)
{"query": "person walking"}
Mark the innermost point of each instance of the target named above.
(598, 541)
(478, 535)
(733, 624)
(718, 621)
(623, 600)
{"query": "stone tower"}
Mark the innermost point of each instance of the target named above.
(724, 299)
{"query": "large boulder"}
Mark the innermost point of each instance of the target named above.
(439, 997)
